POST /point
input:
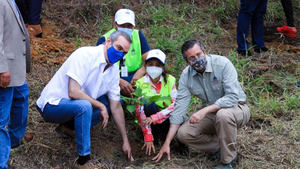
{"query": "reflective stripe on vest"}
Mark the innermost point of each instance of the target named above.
(133, 59)
(165, 90)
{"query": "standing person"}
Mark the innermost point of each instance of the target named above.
(74, 91)
(251, 12)
(132, 65)
(14, 63)
(289, 28)
(213, 128)
(31, 13)
(153, 118)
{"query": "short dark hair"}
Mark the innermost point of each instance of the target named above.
(115, 35)
(189, 44)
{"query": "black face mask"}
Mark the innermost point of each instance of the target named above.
(199, 64)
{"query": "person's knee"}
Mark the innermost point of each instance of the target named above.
(86, 107)
(223, 116)
(182, 135)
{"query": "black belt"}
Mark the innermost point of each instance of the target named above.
(242, 102)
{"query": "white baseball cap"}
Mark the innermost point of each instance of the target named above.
(158, 54)
(125, 16)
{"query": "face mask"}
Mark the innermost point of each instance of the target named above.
(114, 55)
(199, 64)
(154, 71)
(126, 30)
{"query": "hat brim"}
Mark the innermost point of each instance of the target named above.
(156, 59)
(120, 22)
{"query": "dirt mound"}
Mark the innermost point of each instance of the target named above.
(50, 49)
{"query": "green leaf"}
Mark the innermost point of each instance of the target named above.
(130, 108)
(138, 92)
(164, 98)
(154, 98)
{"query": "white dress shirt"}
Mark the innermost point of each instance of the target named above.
(85, 65)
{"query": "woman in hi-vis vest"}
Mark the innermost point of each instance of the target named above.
(153, 118)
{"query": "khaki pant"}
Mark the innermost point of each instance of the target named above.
(216, 131)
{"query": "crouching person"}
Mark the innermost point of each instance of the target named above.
(154, 118)
(72, 93)
(212, 129)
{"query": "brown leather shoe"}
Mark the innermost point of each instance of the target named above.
(26, 139)
(35, 31)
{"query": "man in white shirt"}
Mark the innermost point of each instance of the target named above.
(73, 91)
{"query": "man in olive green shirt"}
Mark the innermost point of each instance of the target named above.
(213, 128)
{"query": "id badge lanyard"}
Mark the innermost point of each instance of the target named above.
(124, 69)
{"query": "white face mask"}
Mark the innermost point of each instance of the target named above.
(154, 71)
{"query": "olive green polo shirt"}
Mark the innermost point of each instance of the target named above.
(217, 85)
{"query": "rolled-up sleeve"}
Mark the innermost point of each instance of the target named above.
(182, 101)
(231, 87)
(80, 66)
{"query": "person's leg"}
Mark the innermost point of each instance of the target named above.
(243, 24)
(159, 131)
(35, 8)
(18, 114)
(200, 136)
(257, 26)
(288, 11)
(81, 112)
(227, 122)
(34, 22)
(6, 97)
(289, 29)
(104, 100)
(23, 8)
(95, 116)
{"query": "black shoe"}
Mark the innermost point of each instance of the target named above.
(215, 156)
(230, 165)
(259, 50)
(244, 52)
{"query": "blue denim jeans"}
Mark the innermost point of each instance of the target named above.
(83, 114)
(13, 112)
(251, 13)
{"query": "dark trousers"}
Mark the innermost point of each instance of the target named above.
(251, 13)
(30, 10)
(288, 11)
(159, 131)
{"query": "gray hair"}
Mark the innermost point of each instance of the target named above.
(115, 35)
(189, 44)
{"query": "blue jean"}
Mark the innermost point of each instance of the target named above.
(104, 100)
(13, 112)
(83, 114)
(251, 12)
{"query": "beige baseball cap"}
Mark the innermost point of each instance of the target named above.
(158, 54)
(125, 16)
